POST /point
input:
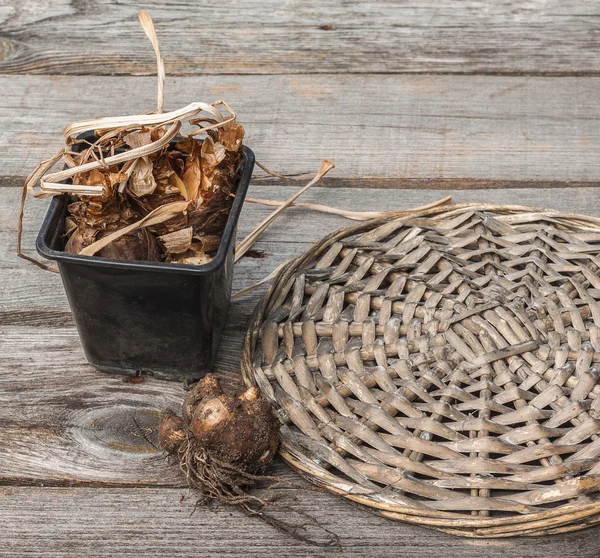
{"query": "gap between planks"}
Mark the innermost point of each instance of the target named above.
(391, 183)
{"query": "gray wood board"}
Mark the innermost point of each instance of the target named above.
(381, 131)
(52, 522)
(62, 422)
(270, 37)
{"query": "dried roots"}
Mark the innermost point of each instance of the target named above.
(223, 445)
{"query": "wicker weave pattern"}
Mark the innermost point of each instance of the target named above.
(443, 370)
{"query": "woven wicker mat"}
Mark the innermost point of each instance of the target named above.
(443, 370)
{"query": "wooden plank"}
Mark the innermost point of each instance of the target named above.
(27, 290)
(62, 422)
(54, 522)
(380, 131)
(556, 37)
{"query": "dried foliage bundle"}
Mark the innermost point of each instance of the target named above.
(140, 191)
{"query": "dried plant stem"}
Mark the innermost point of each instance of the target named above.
(33, 177)
(41, 265)
(251, 288)
(272, 173)
(248, 242)
(51, 185)
(140, 120)
(52, 181)
(354, 215)
(148, 26)
(357, 215)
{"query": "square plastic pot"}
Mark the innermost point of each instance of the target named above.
(133, 316)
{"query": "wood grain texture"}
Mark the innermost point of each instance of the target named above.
(511, 138)
(62, 422)
(53, 522)
(408, 130)
(557, 37)
(27, 291)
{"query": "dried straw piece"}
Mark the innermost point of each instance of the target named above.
(444, 369)
(147, 120)
(34, 176)
(272, 173)
(357, 215)
(251, 288)
(148, 27)
(249, 241)
(51, 183)
(159, 215)
(354, 215)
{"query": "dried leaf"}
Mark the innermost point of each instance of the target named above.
(139, 245)
(174, 180)
(148, 27)
(186, 145)
(70, 226)
(196, 259)
(207, 242)
(192, 175)
(231, 136)
(159, 215)
(212, 153)
(177, 242)
(141, 181)
(95, 177)
(81, 237)
(138, 138)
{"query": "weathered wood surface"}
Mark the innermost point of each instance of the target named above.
(64, 423)
(54, 522)
(79, 471)
(92, 436)
(557, 37)
(30, 291)
(381, 131)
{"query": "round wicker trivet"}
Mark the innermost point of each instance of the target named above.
(443, 370)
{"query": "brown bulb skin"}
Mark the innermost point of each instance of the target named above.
(209, 386)
(171, 433)
(237, 430)
(240, 430)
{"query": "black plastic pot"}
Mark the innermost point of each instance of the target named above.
(133, 316)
